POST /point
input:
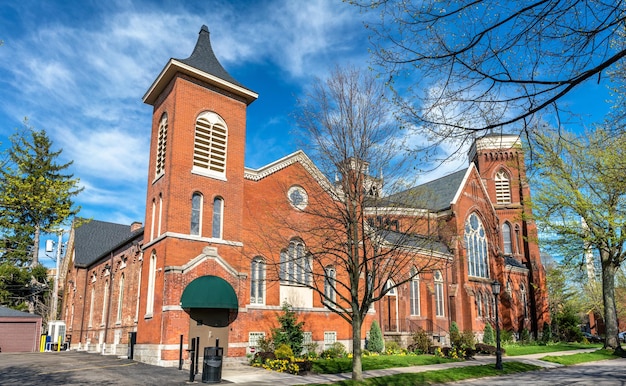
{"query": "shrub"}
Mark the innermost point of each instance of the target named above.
(290, 332)
(265, 344)
(311, 349)
(421, 342)
(506, 337)
(488, 335)
(261, 357)
(375, 343)
(488, 349)
(337, 350)
(392, 347)
(546, 335)
(524, 336)
(283, 352)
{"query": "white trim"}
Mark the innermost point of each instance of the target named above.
(172, 308)
(276, 166)
(173, 66)
(184, 236)
(207, 253)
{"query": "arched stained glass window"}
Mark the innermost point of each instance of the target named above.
(476, 247)
(196, 214)
(295, 267)
(415, 292)
(506, 238)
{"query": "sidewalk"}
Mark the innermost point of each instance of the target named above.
(246, 375)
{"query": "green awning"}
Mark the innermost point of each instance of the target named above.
(209, 292)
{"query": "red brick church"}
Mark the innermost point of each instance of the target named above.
(200, 267)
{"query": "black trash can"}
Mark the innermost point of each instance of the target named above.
(212, 366)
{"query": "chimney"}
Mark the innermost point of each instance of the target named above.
(135, 226)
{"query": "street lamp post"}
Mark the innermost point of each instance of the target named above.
(495, 288)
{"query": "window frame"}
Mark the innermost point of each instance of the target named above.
(507, 239)
(210, 147)
(502, 181)
(161, 150)
(476, 247)
(151, 284)
(197, 203)
(439, 295)
(330, 285)
(295, 263)
(257, 281)
(217, 222)
(414, 294)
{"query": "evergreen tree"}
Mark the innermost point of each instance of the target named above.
(376, 342)
(36, 192)
(290, 332)
(36, 195)
(488, 334)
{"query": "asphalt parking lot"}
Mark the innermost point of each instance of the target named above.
(81, 368)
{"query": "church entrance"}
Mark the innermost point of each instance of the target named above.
(212, 305)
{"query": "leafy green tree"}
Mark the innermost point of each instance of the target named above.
(376, 342)
(36, 191)
(580, 199)
(290, 332)
(488, 334)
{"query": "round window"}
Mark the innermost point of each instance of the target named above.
(298, 197)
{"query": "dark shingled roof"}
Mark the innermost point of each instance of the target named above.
(11, 313)
(203, 58)
(435, 195)
(414, 241)
(513, 262)
(95, 239)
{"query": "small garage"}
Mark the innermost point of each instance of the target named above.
(19, 331)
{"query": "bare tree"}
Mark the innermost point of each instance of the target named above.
(483, 65)
(354, 243)
(582, 178)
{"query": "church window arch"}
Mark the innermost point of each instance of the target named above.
(161, 146)
(196, 214)
(503, 187)
(257, 281)
(476, 247)
(210, 145)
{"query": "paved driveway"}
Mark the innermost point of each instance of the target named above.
(81, 368)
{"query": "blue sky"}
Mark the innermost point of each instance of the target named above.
(78, 69)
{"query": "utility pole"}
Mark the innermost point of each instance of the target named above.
(55, 293)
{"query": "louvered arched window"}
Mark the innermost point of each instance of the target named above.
(209, 148)
(503, 187)
(161, 146)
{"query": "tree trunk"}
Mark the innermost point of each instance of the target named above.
(357, 366)
(608, 297)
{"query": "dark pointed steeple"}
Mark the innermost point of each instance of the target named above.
(202, 65)
(205, 60)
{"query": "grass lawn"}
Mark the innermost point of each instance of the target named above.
(344, 365)
(573, 359)
(443, 376)
(517, 349)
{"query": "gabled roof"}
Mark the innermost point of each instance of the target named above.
(11, 313)
(295, 157)
(201, 65)
(96, 239)
(422, 242)
(436, 195)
